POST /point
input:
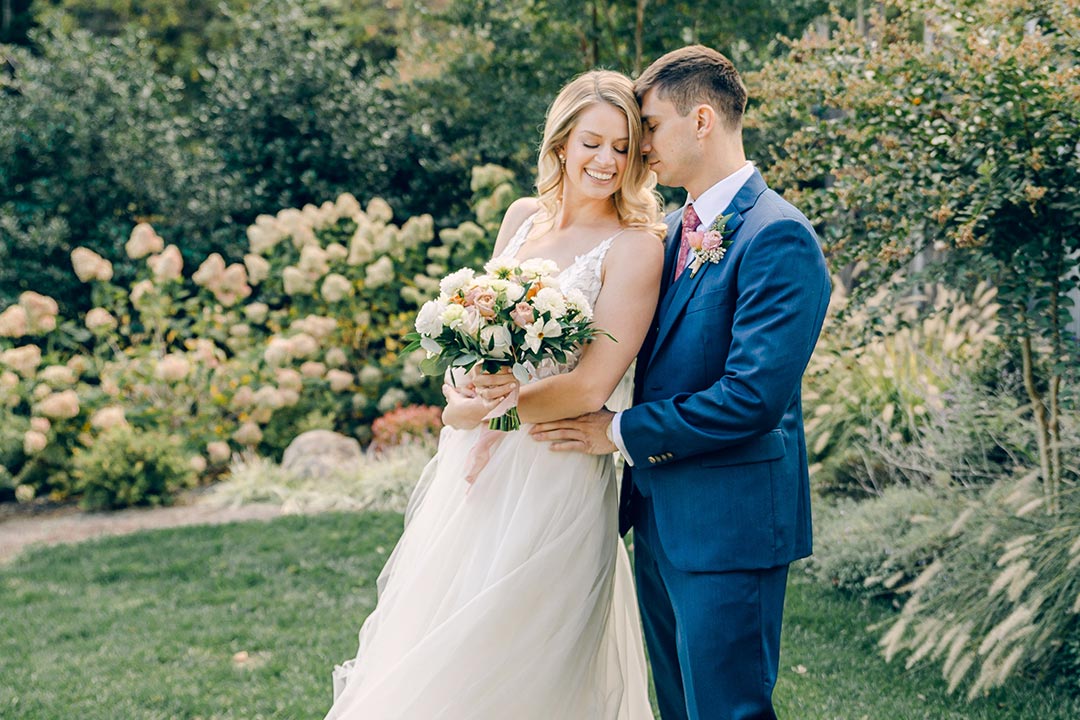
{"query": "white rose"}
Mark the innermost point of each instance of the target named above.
(90, 266)
(455, 281)
(168, 265)
(496, 341)
(428, 320)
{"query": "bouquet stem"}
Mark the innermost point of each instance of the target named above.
(506, 422)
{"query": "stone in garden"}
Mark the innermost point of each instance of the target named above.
(321, 453)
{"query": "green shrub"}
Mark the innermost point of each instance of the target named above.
(126, 467)
(876, 545)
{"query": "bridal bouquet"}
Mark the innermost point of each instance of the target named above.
(515, 315)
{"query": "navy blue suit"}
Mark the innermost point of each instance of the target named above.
(719, 493)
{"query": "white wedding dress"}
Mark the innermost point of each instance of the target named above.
(510, 599)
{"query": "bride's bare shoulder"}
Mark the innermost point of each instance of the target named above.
(515, 215)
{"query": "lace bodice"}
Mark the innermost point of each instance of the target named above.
(583, 274)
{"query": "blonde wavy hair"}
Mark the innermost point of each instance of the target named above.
(637, 203)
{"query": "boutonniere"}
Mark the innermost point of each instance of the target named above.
(709, 245)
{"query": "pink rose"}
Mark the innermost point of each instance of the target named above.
(695, 239)
(523, 315)
(712, 240)
(484, 302)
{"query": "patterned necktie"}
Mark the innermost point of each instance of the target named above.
(690, 222)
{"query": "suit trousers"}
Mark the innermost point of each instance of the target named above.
(713, 637)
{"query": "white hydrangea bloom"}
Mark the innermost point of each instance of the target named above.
(107, 417)
(59, 406)
(90, 266)
(167, 265)
(256, 312)
(14, 322)
(380, 272)
(258, 268)
(143, 241)
(172, 368)
(297, 282)
(336, 287)
(339, 380)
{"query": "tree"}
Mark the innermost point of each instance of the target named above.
(90, 143)
(948, 135)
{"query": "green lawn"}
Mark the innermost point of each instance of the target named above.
(148, 626)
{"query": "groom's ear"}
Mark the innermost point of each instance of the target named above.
(706, 120)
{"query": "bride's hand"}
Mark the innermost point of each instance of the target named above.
(464, 408)
(495, 386)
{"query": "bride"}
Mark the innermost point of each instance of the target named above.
(512, 597)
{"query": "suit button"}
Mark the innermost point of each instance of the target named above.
(652, 459)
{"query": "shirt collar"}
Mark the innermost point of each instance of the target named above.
(716, 199)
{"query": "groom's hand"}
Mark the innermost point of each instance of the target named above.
(585, 433)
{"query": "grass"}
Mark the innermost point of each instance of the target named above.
(247, 620)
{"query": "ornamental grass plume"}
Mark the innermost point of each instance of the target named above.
(143, 242)
(90, 266)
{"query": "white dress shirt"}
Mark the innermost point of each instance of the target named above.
(708, 207)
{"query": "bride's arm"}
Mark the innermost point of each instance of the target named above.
(624, 308)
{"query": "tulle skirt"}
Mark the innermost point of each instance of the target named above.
(508, 598)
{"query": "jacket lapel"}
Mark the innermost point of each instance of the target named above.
(676, 295)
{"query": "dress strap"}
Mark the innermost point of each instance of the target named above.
(512, 247)
(601, 251)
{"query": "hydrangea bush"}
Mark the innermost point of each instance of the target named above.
(305, 332)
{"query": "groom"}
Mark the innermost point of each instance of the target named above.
(716, 485)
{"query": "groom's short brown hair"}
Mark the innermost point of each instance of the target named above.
(696, 75)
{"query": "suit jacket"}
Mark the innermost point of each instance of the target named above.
(716, 430)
